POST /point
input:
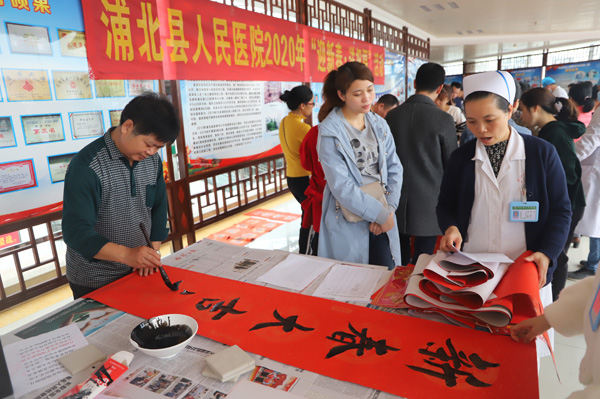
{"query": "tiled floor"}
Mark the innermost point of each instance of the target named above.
(568, 351)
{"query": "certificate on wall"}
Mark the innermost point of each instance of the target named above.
(70, 85)
(137, 87)
(115, 117)
(28, 39)
(7, 133)
(110, 88)
(17, 176)
(86, 124)
(58, 166)
(72, 43)
(26, 84)
(42, 128)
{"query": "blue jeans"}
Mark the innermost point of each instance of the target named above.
(594, 255)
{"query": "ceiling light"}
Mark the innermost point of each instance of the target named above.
(479, 31)
(439, 7)
(453, 4)
(470, 32)
(425, 8)
(459, 32)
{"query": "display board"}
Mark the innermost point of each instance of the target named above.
(566, 74)
(453, 78)
(531, 76)
(49, 108)
(412, 66)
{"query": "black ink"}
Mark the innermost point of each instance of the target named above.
(349, 341)
(288, 323)
(186, 292)
(222, 309)
(450, 364)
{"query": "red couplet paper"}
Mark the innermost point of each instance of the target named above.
(400, 355)
(200, 39)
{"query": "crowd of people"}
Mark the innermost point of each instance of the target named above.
(445, 170)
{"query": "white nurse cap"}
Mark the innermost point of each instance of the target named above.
(498, 82)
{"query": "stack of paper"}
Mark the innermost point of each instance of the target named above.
(228, 364)
(350, 283)
(474, 289)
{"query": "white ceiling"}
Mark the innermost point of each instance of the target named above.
(474, 29)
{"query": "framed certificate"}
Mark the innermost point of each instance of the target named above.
(110, 88)
(71, 85)
(115, 117)
(28, 39)
(86, 124)
(7, 133)
(26, 84)
(57, 165)
(72, 43)
(42, 128)
(17, 175)
(137, 87)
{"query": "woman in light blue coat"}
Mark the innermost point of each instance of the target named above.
(356, 148)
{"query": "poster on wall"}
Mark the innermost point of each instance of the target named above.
(86, 124)
(412, 67)
(566, 74)
(394, 77)
(72, 43)
(453, 78)
(17, 176)
(219, 134)
(137, 87)
(7, 132)
(26, 84)
(42, 128)
(115, 117)
(214, 41)
(110, 88)
(57, 164)
(531, 76)
(28, 39)
(71, 85)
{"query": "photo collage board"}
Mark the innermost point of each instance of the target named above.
(49, 107)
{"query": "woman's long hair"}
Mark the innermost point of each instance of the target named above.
(566, 112)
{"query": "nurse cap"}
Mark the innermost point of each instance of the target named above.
(498, 82)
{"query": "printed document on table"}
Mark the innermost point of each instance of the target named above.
(33, 362)
(251, 390)
(296, 272)
(350, 283)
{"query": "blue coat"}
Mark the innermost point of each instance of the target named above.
(545, 181)
(339, 239)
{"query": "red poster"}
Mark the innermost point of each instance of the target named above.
(400, 355)
(200, 39)
(7, 240)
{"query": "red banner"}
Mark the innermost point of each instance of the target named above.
(203, 40)
(400, 355)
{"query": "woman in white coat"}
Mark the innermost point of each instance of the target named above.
(588, 152)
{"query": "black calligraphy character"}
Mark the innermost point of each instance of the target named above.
(288, 323)
(222, 309)
(451, 363)
(349, 341)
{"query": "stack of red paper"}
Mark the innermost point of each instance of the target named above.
(468, 293)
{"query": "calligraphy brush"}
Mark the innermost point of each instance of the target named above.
(163, 273)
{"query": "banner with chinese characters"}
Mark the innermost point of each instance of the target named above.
(203, 40)
(401, 355)
(531, 76)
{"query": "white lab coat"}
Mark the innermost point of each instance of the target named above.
(588, 152)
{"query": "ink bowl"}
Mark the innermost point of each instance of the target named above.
(164, 336)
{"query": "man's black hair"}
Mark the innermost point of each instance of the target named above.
(429, 77)
(152, 113)
(456, 84)
(388, 100)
